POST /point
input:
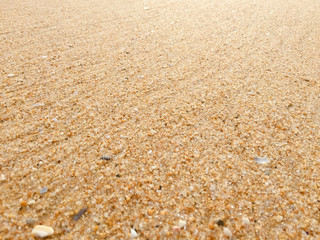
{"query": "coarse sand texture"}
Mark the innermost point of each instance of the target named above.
(171, 119)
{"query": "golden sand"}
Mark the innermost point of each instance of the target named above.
(147, 119)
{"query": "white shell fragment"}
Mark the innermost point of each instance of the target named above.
(182, 223)
(38, 105)
(31, 202)
(11, 75)
(261, 160)
(133, 234)
(176, 228)
(2, 178)
(227, 232)
(245, 221)
(42, 231)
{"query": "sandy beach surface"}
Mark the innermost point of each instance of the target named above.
(171, 119)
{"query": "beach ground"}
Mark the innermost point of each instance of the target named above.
(193, 119)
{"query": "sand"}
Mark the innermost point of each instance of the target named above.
(151, 118)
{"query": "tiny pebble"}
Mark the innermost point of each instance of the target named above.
(79, 214)
(176, 228)
(43, 190)
(245, 221)
(261, 160)
(23, 203)
(67, 230)
(182, 223)
(2, 178)
(11, 75)
(133, 233)
(38, 105)
(220, 223)
(31, 202)
(42, 231)
(146, 8)
(227, 232)
(105, 157)
(30, 221)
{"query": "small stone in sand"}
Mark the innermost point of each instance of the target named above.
(220, 223)
(30, 221)
(79, 214)
(133, 233)
(245, 221)
(261, 160)
(106, 157)
(227, 232)
(2, 178)
(32, 201)
(11, 75)
(182, 223)
(38, 105)
(42, 231)
(43, 190)
(23, 203)
(176, 228)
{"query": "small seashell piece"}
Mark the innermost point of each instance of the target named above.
(182, 223)
(245, 221)
(133, 233)
(2, 178)
(176, 228)
(42, 231)
(261, 160)
(227, 232)
(11, 75)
